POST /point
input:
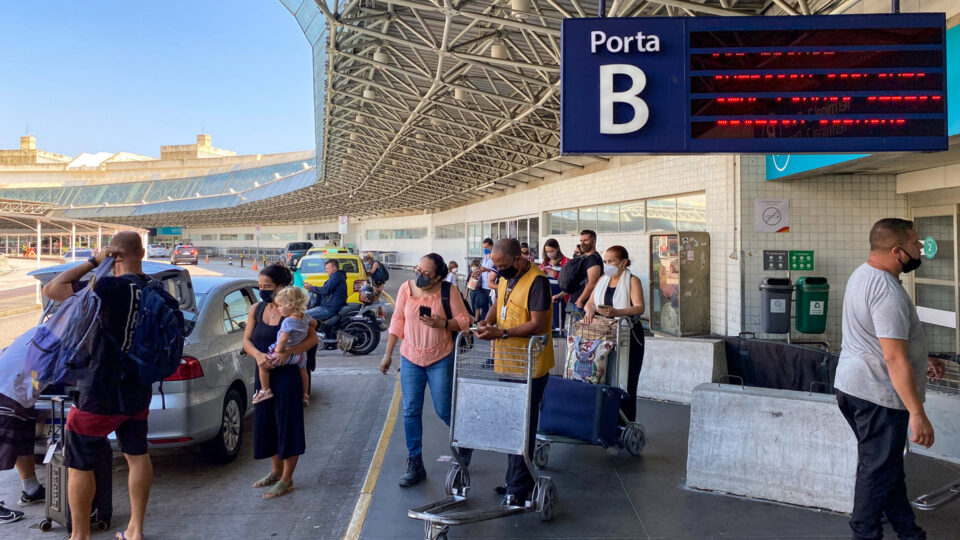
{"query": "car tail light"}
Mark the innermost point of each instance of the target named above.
(359, 284)
(171, 441)
(189, 368)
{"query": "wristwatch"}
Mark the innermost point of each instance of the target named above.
(93, 261)
(505, 335)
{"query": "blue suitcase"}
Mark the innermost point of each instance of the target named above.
(579, 410)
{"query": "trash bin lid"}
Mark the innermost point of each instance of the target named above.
(775, 284)
(812, 283)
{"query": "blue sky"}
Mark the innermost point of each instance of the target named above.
(111, 75)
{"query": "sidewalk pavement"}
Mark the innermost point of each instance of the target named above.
(611, 494)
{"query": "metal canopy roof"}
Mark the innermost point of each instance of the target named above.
(431, 104)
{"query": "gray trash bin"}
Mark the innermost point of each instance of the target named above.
(775, 298)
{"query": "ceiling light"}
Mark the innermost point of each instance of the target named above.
(459, 94)
(406, 150)
(498, 51)
(520, 8)
(369, 94)
(358, 118)
(381, 57)
(353, 136)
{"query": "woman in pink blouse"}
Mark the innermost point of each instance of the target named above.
(426, 353)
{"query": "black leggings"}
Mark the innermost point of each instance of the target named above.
(629, 406)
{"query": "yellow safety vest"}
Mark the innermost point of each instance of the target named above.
(508, 357)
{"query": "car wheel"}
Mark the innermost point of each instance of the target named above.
(225, 446)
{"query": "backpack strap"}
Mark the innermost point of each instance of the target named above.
(445, 298)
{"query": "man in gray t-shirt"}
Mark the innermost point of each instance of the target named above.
(881, 379)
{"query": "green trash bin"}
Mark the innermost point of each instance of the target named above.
(811, 304)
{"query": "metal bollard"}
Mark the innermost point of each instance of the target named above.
(230, 261)
(241, 260)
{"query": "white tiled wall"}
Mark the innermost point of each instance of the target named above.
(831, 215)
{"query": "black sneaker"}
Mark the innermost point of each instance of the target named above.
(415, 474)
(38, 496)
(511, 500)
(9, 516)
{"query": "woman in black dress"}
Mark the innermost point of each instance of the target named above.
(278, 431)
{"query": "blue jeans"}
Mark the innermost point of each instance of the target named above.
(321, 313)
(413, 380)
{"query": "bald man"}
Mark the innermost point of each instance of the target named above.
(109, 401)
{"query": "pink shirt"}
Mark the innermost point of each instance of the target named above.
(421, 344)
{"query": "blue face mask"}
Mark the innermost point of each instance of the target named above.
(486, 251)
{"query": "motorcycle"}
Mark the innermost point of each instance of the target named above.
(356, 328)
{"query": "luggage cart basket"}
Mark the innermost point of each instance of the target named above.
(633, 437)
(948, 387)
(491, 411)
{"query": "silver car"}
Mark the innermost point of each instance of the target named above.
(206, 399)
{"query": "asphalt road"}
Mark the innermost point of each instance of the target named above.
(194, 499)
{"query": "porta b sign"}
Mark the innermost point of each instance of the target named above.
(623, 85)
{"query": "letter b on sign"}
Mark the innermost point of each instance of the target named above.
(641, 113)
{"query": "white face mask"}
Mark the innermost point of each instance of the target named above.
(610, 269)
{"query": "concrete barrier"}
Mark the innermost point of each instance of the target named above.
(942, 409)
(672, 367)
(778, 445)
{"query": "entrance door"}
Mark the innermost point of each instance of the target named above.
(935, 282)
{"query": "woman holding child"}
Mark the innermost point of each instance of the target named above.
(278, 431)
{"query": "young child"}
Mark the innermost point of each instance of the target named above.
(293, 330)
(473, 284)
(452, 274)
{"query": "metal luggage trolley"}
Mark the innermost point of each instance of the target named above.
(633, 437)
(943, 403)
(491, 411)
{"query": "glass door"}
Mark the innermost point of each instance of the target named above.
(935, 282)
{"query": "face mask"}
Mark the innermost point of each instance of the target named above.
(508, 273)
(486, 251)
(267, 296)
(610, 269)
(911, 264)
(552, 256)
(473, 269)
(424, 282)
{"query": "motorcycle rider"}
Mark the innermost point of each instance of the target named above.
(331, 297)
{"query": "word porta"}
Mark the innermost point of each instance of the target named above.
(623, 44)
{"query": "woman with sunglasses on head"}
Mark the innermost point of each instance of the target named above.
(426, 353)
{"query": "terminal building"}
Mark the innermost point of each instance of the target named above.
(428, 152)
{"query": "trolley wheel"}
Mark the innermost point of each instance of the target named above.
(541, 454)
(634, 438)
(457, 482)
(46, 525)
(547, 498)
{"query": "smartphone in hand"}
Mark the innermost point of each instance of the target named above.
(425, 311)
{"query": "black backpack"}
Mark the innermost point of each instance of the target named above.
(573, 275)
(381, 275)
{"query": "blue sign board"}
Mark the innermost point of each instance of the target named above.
(861, 83)
(169, 231)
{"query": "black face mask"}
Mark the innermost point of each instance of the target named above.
(911, 264)
(266, 296)
(424, 282)
(509, 272)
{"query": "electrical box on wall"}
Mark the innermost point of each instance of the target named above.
(680, 283)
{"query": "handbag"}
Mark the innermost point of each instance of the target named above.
(587, 359)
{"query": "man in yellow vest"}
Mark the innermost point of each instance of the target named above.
(524, 308)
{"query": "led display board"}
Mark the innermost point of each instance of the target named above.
(864, 83)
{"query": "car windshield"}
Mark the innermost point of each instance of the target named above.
(299, 246)
(199, 297)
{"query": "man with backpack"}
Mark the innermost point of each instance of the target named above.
(112, 397)
(580, 275)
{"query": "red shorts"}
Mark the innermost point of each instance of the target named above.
(87, 436)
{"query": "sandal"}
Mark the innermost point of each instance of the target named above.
(267, 480)
(278, 490)
(262, 395)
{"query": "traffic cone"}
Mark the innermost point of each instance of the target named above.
(206, 260)
(255, 265)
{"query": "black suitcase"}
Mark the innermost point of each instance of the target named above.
(579, 410)
(56, 505)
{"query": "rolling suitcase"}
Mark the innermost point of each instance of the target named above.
(56, 505)
(584, 411)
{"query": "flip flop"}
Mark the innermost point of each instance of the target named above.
(267, 480)
(278, 490)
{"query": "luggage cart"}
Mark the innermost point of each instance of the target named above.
(56, 505)
(633, 437)
(945, 390)
(491, 411)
